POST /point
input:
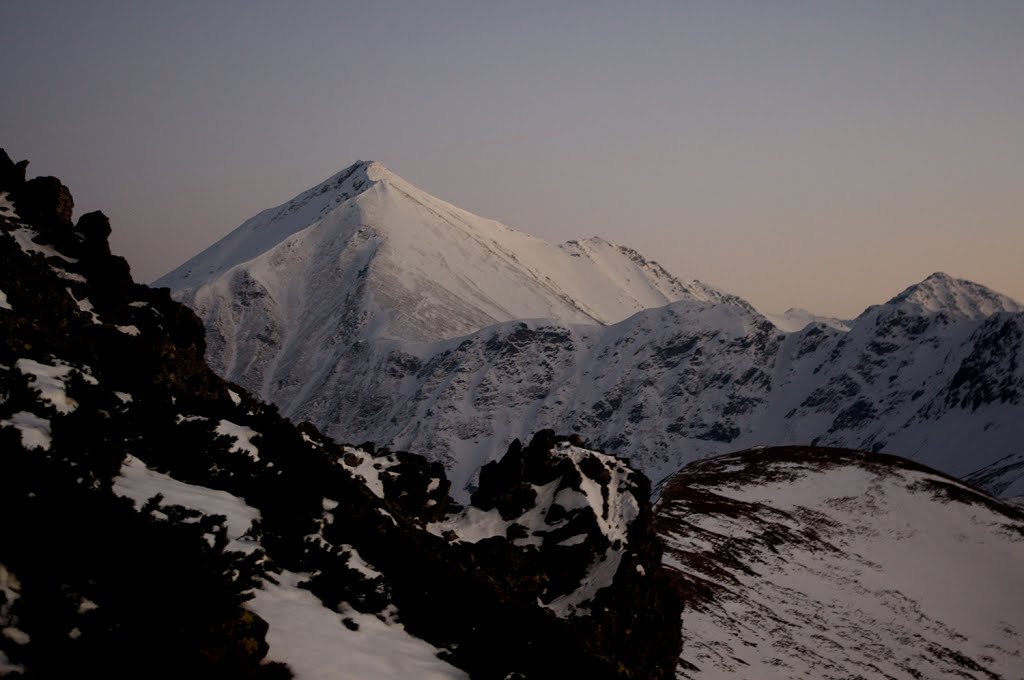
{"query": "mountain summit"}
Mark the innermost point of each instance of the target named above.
(941, 292)
(423, 269)
(367, 256)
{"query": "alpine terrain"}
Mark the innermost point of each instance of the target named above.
(378, 312)
(162, 522)
(159, 522)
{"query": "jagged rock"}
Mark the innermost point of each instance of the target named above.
(95, 227)
(45, 202)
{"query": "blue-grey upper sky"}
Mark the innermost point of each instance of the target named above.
(814, 154)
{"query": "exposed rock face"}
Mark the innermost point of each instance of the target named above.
(264, 535)
(819, 564)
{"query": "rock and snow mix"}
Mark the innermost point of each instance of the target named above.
(50, 380)
(25, 238)
(819, 564)
(590, 502)
(10, 591)
(229, 538)
(368, 468)
(304, 634)
(243, 438)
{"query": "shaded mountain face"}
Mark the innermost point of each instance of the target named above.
(376, 311)
(827, 563)
(161, 522)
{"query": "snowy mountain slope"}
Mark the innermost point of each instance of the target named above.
(943, 293)
(366, 255)
(369, 308)
(944, 386)
(827, 564)
(691, 379)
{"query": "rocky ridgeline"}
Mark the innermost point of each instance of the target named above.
(103, 383)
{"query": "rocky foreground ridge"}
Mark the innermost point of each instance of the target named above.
(161, 522)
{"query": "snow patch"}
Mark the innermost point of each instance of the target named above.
(314, 642)
(25, 239)
(35, 431)
(49, 380)
(85, 306)
(367, 468)
(139, 483)
(4, 304)
(243, 438)
(7, 206)
(68, 276)
(356, 562)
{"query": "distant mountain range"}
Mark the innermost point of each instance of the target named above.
(379, 312)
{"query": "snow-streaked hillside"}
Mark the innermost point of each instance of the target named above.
(830, 564)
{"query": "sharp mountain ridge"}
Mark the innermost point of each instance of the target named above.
(377, 311)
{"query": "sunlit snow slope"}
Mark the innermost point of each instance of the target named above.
(827, 564)
(366, 255)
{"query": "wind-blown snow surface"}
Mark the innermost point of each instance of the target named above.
(303, 633)
(381, 313)
(829, 564)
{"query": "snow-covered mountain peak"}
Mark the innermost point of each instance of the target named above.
(796, 319)
(368, 254)
(941, 292)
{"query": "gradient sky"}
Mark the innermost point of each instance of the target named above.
(815, 154)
